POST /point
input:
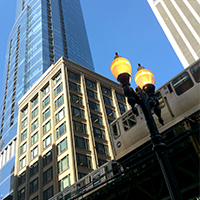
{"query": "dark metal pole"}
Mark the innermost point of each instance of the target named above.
(159, 146)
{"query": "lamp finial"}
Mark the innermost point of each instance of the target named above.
(140, 67)
(116, 55)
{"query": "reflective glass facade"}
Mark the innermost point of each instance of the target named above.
(44, 30)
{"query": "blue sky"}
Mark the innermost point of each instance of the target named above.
(126, 26)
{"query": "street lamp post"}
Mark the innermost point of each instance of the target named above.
(145, 98)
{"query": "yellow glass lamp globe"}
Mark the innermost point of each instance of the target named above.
(144, 77)
(120, 65)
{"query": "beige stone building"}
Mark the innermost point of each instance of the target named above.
(63, 129)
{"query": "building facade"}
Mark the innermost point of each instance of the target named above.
(63, 129)
(44, 30)
(180, 21)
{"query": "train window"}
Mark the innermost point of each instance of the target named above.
(160, 100)
(195, 71)
(116, 134)
(169, 88)
(96, 178)
(129, 121)
(182, 83)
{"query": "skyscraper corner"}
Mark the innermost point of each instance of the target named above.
(180, 22)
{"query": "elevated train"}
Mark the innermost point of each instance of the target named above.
(178, 99)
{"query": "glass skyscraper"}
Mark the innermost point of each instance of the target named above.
(44, 30)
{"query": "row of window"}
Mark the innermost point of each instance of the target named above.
(78, 126)
(63, 164)
(184, 82)
(93, 94)
(75, 111)
(46, 142)
(47, 177)
(72, 86)
(45, 114)
(57, 90)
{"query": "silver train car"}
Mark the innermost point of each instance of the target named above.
(178, 99)
(89, 183)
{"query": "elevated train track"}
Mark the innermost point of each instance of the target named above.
(138, 176)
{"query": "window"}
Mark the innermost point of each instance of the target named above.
(34, 168)
(101, 148)
(110, 112)
(129, 121)
(160, 100)
(78, 126)
(93, 105)
(46, 127)
(96, 119)
(99, 133)
(74, 86)
(45, 90)
(24, 111)
(23, 135)
(34, 152)
(83, 160)
(45, 102)
(63, 164)
(73, 76)
(60, 115)
(24, 122)
(115, 132)
(34, 113)
(34, 102)
(62, 146)
(122, 107)
(22, 178)
(76, 112)
(34, 138)
(107, 100)
(48, 193)
(60, 130)
(47, 158)
(76, 99)
(63, 183)
(21, 194)
(47, 175)
(46, 114)
(47, 142)
(105, 90)
(182, 83)
(195, 70)
(92, 94)
(58, 89)
(120, 97)
(59, 102)
(22, 162)
(23, 148)
(56, 79)
(81, 143)
(34, 125)
(36, 198)
(34, 185)
(90, 83)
